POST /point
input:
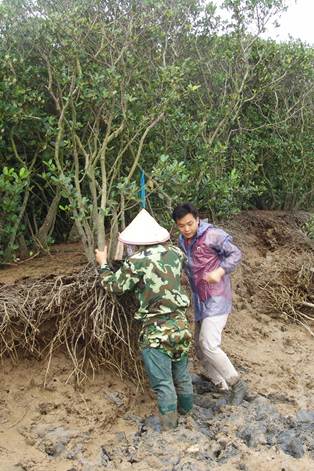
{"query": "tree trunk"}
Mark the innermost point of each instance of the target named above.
(49, 222)
(22, 249)
(9, 251)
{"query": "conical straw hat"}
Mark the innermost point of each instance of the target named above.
(144, 230)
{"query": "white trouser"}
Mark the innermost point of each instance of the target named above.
(215, 362)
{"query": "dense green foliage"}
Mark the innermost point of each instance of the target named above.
(93, 92)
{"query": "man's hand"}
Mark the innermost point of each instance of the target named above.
(215, 275)
(101, 256)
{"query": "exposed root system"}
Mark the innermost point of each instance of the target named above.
(76, 314)
(288, 287)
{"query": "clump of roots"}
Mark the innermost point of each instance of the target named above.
(75, 314)
(287, 287)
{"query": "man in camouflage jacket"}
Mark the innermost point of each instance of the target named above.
(154, 274)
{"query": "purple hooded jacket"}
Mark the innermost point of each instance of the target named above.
(209, 249)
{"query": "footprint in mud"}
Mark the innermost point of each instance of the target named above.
(45, 408)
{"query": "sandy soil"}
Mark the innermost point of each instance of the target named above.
(276, 360)
(64, 427)
(61, 259)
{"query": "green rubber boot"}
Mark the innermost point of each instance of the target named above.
(168, 421)
(185, 403)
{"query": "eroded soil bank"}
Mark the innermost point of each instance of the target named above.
(107, 424)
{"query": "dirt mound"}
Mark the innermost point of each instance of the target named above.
(268, 231)
(277, 273)
(61, 259)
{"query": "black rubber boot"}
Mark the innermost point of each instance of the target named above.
(237, 392)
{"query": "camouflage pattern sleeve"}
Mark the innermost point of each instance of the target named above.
(183, 257)
(125, 279)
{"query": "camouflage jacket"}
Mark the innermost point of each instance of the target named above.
(154, 274)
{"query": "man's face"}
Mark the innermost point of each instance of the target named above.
(188, 225)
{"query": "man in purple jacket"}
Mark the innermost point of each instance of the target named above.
(211, 258)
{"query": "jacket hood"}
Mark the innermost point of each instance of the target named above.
(202, 227)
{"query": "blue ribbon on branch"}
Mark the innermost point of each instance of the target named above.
(142, 190)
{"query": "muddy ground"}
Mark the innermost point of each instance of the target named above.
(107, 423)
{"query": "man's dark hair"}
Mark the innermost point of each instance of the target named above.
(182, 210)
